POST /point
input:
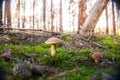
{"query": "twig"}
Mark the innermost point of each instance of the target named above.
(99, 45)
(88, 40)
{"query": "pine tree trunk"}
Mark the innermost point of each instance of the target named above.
(113, 19)
(44, 14)
(82, 13)
(91, 20)
(1, 23)
(23, 18)
(18, 13)
(8, 12)
(107, 28)
(33, 13)
(61, 27)
(52, 16)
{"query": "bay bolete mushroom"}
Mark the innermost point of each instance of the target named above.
(53, 41)
(97, 56)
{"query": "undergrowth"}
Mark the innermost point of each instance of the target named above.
(66, 60)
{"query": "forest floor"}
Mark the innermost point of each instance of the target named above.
(30, 57)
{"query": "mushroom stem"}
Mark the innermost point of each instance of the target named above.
(53, 49)
(96, 62)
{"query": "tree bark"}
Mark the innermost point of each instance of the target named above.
(82, 11)
(1, 23)
(82, 14)
(107, 28)
(8, 12)
(52, 27)
(61, 27)
(33, 13)
(113, 19)
(23, 17)
(18, 13)
(44, 14)
(94, 15)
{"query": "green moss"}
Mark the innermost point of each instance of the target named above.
(84, 73)
(65, 60)
(60, 60)
(14, 41)
(67, 37)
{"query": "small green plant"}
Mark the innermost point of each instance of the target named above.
(108, 42)
(14, 41)
(60, 60)
(66, 37)
(83, 73)
(113, 54)
(86, 52)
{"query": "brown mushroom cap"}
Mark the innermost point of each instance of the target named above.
(97, 55)
(53, 40)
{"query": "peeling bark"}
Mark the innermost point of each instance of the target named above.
(96, 10)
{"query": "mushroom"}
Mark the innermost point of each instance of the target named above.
(97, 56)
(53, 41)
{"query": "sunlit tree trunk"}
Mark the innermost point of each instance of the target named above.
(18, 13)
(52, 27)
(1, 23)
(61, 26)
(44, 14)
(33, 13)
(117, 17)
(82, 13)
(7, 16)
(95, 12)
(107, 28)
(113, 19)
(23, 18)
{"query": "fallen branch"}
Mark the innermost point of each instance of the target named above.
(95, 43)
(77, 37)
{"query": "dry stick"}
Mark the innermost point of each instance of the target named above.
(7, 28)
(88, 40)
(99, 45)
(91, 34)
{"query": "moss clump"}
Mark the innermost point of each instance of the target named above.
(60, 60)
(66, 37)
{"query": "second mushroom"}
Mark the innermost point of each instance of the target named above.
(53, 41)
(97, 56)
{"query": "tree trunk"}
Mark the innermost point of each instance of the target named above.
(82, 13)
(113, 19)
(107, 28)
(44, 14)
(52, 16)
(1, 23)
(94, 15)
(8, 12)
(61, 27)
(18, 13)
(33, 13)
(23, 17)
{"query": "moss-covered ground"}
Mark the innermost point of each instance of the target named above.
(73, 64)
